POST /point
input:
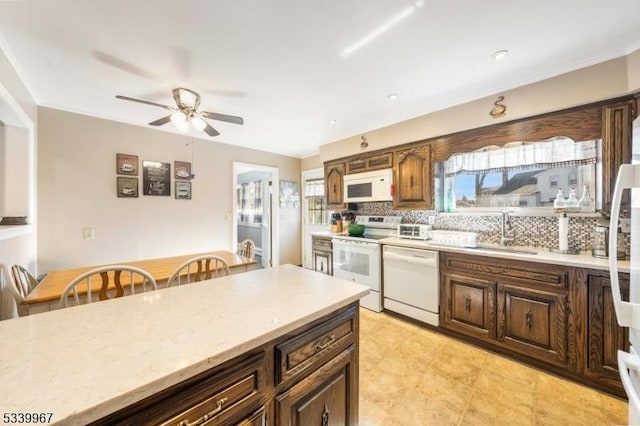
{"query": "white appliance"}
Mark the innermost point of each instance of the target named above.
(414, 231)
(369, 186)
(358, 259)
(411, 283)
(628, 313)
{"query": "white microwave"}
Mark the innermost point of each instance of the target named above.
(369, 186)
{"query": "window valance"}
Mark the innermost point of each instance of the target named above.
(555, 152)
(314, 188)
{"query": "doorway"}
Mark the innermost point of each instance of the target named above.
(255, 210)
(314, 212)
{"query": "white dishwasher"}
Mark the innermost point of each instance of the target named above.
(411, 284)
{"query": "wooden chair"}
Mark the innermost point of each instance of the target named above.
(23, 281)
(199, 268)
(134, 278)
(246, 248)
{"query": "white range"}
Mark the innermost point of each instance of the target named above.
(358, 258)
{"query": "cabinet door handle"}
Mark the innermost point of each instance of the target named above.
(332, 339)
(207, 416)
(410, 181)
(467, 304)
(334, 188)
(325, 416)
(528, 317)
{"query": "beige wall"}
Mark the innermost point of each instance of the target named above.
(77, 189)
(22, 249)
(602, 81)
(633, 64)
(313, 162)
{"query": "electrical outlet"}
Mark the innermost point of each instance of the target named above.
(227, 216)
(87, 233)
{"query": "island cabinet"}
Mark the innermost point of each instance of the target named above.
(322, 254)
(604, 336)
(334, 184)
(518, 306)
(413, 178)
(308, 376)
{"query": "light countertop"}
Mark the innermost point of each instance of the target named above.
(84, 362)
(543, 255)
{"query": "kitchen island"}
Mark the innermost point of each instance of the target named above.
(228, 347)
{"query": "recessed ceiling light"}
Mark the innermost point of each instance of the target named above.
(332, 121)
(500, 54)
(392, 96)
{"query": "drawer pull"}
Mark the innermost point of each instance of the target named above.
(529, 320)
(467, 304)
(207, 416)
(326, 345)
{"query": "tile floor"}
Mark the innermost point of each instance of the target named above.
(413, 376)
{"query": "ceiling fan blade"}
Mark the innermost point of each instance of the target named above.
(126, 98)
(210, 130)
(161, 121)
(125, 66)
(222, 117)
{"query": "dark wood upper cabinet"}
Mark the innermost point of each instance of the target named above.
(413, 178)
(617, 128)
(368, 163)
(334, 185)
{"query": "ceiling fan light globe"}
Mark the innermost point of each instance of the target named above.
(178, 117)
(198, 123)
(183, 126)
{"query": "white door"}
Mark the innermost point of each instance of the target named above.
(313, 219)
(266, 228)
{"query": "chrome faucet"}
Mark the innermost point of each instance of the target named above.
(505, 225)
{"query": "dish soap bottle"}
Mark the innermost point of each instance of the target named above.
(586, 203)
(560, 204)
(572, 202)
(451, 201)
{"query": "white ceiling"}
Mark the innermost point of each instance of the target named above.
(282, 65)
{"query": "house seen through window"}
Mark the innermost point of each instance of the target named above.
(522, 175)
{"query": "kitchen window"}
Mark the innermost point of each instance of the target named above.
(526, 175)
(316, 208)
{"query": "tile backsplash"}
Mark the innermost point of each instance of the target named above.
(532, 231)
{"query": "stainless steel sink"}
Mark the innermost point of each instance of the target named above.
(506, 249)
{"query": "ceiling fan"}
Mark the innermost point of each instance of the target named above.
(186, 112)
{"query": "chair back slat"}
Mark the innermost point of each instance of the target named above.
(135, 275)
(246, 248)
(199, 268)
(23, 281)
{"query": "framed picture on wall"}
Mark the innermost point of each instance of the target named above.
(127, 187)
(183, 190)
(126, 164)
(182, 170)
(156, 178)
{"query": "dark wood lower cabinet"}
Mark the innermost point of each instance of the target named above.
(470, 305)
(322, 254)
(605, 337)
(323, 398)
(533, 322)
(555, 317)
(255, 390)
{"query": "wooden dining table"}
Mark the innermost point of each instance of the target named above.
(46, 296)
